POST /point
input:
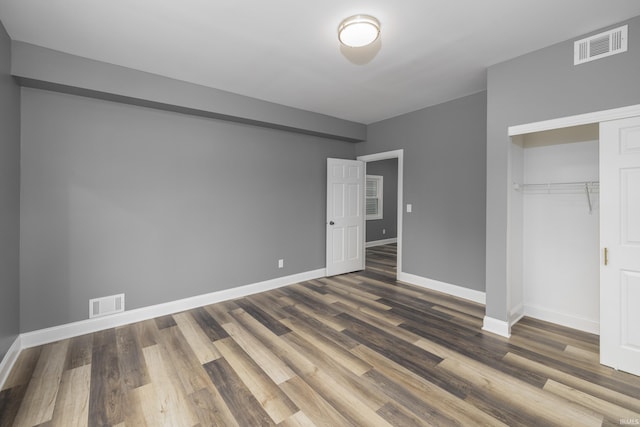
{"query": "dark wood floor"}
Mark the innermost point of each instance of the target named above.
(358, 349)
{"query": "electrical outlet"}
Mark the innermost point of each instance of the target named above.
(409, 208)
(384, 231)
(280, 263)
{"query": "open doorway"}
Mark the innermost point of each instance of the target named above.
(383, 236)
(381, 231)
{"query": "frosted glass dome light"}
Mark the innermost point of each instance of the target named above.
(358, 31)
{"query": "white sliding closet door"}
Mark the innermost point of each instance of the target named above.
(620, 239)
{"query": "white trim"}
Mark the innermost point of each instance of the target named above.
(577, 120)
(394, 154)
(9, 360)
(579, 323)
(69, 330)
(380, 242)
(495, 326)
(447, 288)
(516, 314)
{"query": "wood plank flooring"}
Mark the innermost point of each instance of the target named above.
(354, 350)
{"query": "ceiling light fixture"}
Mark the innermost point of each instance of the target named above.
(358, 31)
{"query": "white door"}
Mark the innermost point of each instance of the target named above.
(345, 216)
(620, 241)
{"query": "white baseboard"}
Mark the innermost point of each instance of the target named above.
(380, 242)
(69, 330)
(9, 360)
(495, 326)
(447, 288)
(580, 323)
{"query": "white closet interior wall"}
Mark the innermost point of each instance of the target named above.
(560, 236)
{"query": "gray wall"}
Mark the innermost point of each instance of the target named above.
(538, 86)
(444, 180)
(388, 169)
(159, 205)
(9, 198)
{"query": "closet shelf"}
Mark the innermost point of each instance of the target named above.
(585, 187)
(561, 187)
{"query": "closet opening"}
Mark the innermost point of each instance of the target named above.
(555, 227)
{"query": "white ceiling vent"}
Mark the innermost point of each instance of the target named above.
(600, 45)
(106, 305)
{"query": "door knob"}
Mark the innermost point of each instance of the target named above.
(331, 223)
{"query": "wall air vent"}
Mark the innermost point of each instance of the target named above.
(106, 305)
(600, 45)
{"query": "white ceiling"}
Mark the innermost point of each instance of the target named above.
(286, 51)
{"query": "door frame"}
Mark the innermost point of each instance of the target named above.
(504, 328)
(394, 154)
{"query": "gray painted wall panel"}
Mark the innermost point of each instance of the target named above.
(444, 180)
(539, 86)
(9, 198)
(158, 205)
(388, 169)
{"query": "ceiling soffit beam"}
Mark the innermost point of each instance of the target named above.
(42, 68)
